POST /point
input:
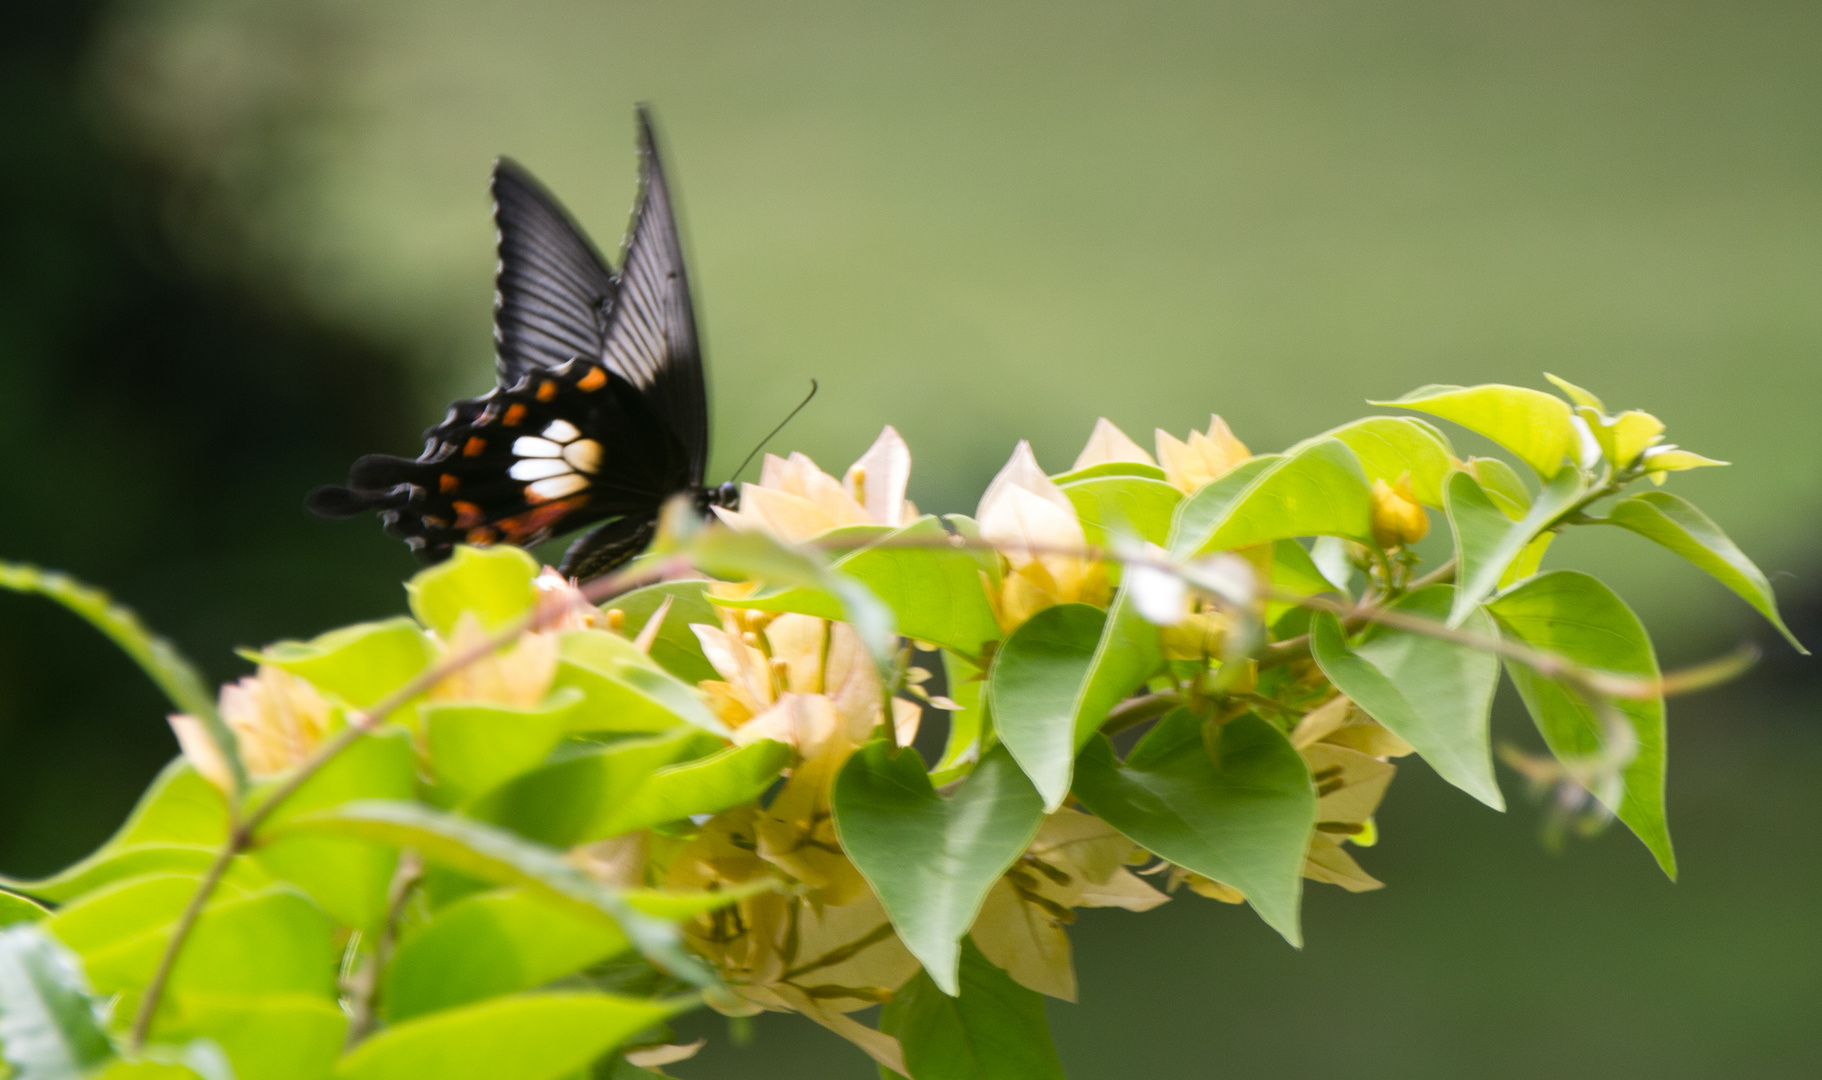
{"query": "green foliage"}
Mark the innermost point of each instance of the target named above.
(569, 825)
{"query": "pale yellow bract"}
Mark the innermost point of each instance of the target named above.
(1035, 526)
(277, 718)
(795, 500)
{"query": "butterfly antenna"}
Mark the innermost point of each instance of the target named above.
(779, 428)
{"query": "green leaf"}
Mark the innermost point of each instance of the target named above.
(1110, 468)
(164, 1061)
(1391, 446)
(1574, 615)
(675, 649)
(168, 669)
(1532, 424)
(18, 909)
(1242, 818)
(178, 821)
(624, 690)
(119, 928)
(1576, 393)
(1319, 490)
(293, 940)
(730, 777)
(348, 878)
(1487, 541)
(994, 1029)
(533, 1037)
(490, 944)
(493, 584)
(270, 1037)
(1034, 688)
(1294, 572)
(477, 747)
(752, 556)
(359, 664)
(1134, 505)
(1124, 658)
(1676, 524)
(1434, 694)
(571, 801)
(50, 1027)
(967, 724)
(935, 594)
(491, 854)
(1502, 484)
(931, 860)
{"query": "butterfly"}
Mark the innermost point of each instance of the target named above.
(600, 412)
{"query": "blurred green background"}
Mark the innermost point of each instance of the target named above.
(244, 241)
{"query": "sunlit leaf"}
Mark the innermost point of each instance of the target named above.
(1673, 522)
(1319, 490)
(623, 690)
(492, 854)
(932, 859)
(993, 1029)
(492, 943)
(1389, 447)
(533, 1037)
(359, 664)
(18, 909)
(727, 778)
(577, 799)
(493, 584)
(268, 1037)
(1034, 689)
(1487, 541)
(1573, 615)
(1532, 424)
(675, 648)
(1132, 505)
(1242, 817)
(475, 747)
(1434, 694)
(1110, 468)
(348, 878)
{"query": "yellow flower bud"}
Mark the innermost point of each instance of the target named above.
(1198, 637)
(1398, 521)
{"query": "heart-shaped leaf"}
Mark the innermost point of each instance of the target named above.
(1434, 694)
(1487, 541)
(993, 1029)
(931, 860)
(1242, 817)
(1033, 689)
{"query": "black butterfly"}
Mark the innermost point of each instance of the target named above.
(600, 412)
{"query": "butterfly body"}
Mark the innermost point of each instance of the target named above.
(600, 413)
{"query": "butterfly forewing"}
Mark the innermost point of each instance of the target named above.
(552, 289)
(651, 328)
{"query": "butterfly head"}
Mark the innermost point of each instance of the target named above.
(726, 496)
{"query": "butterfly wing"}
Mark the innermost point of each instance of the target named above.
(600, 413)
(556, 450)
(552, 290)
(650, 335)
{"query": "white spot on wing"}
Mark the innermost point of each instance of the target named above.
(561, 431)
(537, 468)
(584, 455)
(557, 486)
(532, 446)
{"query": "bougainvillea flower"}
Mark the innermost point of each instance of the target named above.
(1204, 457)
(1108, 444)
(277, 719)
(795, 500)
(1034, 525)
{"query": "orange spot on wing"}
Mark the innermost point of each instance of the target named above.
(474, 446)
(468, 515)
(520, 526)
(447, 483)
(547, 390)
(481, 536)
(514, 413)
(594, 380)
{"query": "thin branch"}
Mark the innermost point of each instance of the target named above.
(367, 992)
(241, 836)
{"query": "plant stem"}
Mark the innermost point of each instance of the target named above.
(410, 871)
